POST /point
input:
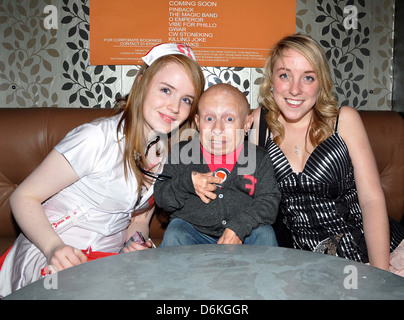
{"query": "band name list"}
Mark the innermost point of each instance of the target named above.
(192, 22)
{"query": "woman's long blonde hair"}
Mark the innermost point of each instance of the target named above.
(325, 111)
(132, 120)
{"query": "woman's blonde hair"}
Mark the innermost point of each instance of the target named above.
(132, 120)
(325, 110)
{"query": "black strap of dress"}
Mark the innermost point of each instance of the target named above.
(336, 124)
(262, 132)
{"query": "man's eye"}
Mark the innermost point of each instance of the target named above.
(230, 119)
(209, 118)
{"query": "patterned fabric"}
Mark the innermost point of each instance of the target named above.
(321, 202)
(320, 205)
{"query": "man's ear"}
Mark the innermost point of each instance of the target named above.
(248, 122)
(197, 121)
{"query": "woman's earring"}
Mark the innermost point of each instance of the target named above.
(137, 156)
(271, 88)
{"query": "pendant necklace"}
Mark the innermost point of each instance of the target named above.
(297, 151)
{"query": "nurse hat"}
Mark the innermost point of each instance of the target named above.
(165, 49)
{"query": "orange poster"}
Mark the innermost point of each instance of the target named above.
(225, 33)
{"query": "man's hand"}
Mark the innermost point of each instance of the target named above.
(229, 237)
(205, 185)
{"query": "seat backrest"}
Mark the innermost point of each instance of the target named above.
(386, 134)
(26, 137)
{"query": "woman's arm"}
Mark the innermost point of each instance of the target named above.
(51, 176)
(370, 192)
(139, 222)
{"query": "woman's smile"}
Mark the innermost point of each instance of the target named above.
(166, 118)
(293, 102)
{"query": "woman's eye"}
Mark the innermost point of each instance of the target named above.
(165, 90)
(309, 78)
(187, 101)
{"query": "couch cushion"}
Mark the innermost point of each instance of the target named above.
(28, 135)
(386, 134)
(5, 244)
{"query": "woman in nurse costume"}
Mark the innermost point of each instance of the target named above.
(89, 194)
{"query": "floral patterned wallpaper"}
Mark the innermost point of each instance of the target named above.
(43, 67)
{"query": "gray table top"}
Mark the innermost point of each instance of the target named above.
(218, 272)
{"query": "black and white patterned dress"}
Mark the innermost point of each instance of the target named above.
(321, 203)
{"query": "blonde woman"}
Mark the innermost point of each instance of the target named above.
(332, 199)
(94, 175)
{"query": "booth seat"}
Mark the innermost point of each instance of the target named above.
(27, 135)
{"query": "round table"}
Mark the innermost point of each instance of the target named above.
(218, 272)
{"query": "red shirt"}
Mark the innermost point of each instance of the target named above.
(226, 161)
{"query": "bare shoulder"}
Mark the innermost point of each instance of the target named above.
(349, 119)
(350, 125)
(256, 114)
(348, 113)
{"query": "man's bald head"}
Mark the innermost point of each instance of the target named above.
(223, 119)
(228, 90)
